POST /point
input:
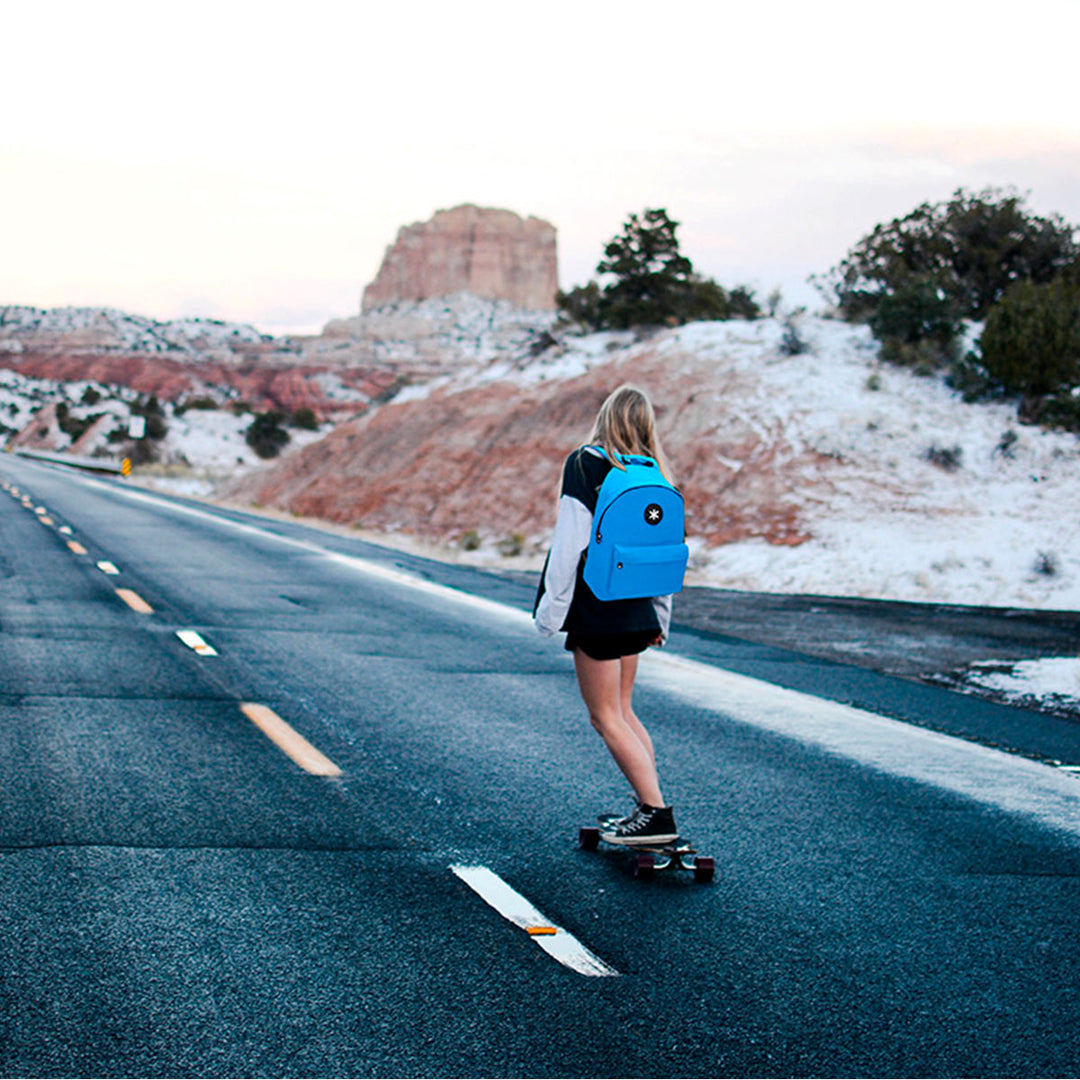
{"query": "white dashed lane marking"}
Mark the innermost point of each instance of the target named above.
(194, 641)
(512, 906)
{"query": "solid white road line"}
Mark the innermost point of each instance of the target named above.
(554, 940)
(988, 776)
(991, 777)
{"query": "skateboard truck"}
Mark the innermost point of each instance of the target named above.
(649, 859)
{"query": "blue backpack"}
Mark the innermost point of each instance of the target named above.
(638, 542)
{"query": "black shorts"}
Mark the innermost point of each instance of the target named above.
(611, 646)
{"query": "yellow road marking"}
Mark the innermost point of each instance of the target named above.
(135, 601)
(46, 520)
(76, 547)
(290, 742)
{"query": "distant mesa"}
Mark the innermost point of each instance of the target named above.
(493, 254)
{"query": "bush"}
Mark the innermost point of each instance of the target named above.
(945, 457)
(266, 436)
(792, 343)
(205, 403)
(919, 311)
(1031, 342)
(971, 249)
(1060, 411)
(304, 418)
(512, 545)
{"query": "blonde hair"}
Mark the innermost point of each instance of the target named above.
(626, 424)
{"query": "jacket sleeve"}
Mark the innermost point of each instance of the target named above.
(572, 527)
(663, 613)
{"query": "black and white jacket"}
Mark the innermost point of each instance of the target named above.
(564, 601)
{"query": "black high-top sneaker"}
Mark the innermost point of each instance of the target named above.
(609, 821)
(648, 825)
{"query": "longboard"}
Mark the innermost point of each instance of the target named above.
(650, 859)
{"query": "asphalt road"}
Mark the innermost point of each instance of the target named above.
(180, 897)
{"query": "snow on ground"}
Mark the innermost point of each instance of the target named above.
(1052, 683)
(121, 330)
(937, 500)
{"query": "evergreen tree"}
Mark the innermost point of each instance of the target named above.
(651, 277)
(651, 283)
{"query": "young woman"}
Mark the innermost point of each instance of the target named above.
(606, 637)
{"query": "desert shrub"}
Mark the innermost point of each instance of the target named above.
(792, 342)
(1046, 564)
(945, 457)
(74, 426)
(90, 396)
(1006, 446)
(207, 404)
(580, 305)
(470, 541)
(305, 419)
(918, 312)
(1031, 341)
(922, 357)
(511, 545)
(1056, 411)
(265, 435)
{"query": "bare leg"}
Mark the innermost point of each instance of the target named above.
(628, 673)
(605, 685)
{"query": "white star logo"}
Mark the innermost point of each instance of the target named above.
(653, 514)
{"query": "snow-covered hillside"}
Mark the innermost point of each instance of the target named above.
(112, 329)
(908, 493)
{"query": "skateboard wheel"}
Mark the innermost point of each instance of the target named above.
(644, 866)
(589, 838)
(704, 869)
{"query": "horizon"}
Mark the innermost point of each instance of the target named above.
(222, 164)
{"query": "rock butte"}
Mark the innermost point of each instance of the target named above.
(493, 254)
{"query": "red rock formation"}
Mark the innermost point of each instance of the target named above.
(272, 384)
(489, 459)
(490, 253)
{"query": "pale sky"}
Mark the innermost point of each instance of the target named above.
(252, 161)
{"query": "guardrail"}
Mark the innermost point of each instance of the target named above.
(122, 468)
